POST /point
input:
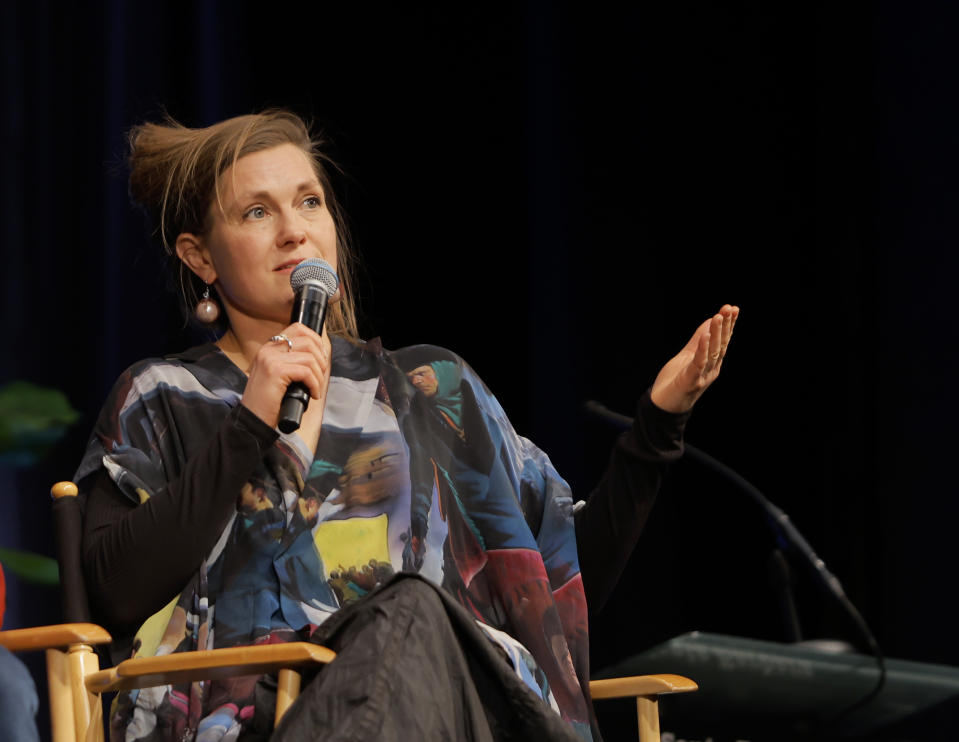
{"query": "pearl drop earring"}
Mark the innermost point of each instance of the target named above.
(207, 310)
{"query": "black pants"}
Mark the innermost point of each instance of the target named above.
(413, 665)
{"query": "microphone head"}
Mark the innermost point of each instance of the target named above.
(314, 270)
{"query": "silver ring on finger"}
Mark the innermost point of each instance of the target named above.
(282, 339)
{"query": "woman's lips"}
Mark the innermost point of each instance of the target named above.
(289, 265)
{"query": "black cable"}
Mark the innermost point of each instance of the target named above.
(785, 530)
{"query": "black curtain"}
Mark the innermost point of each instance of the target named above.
(561, 195)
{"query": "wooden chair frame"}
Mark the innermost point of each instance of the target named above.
(76, 682)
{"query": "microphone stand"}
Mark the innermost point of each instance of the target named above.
(786, 534)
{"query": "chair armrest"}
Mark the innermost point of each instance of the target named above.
(640, 685)
(52, 637)
(210, 664)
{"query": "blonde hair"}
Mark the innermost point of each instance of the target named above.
(175, 174)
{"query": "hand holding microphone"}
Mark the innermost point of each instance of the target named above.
(294, 366)
(313, 282)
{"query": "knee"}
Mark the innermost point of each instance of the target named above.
(418, 591)
(16, 680)
(18, 694)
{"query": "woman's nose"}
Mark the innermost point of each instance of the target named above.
(290, 234)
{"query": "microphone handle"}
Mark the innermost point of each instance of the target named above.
(309, 308)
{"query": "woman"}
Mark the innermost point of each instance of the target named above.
(205, 527)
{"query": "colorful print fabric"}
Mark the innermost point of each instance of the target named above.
(417, 470)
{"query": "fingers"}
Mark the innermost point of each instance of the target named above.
(711, 340)
(307, 340)
(275, 368)
(721, 327)
(729, 314)
(687, 375)
(715, 342)
(701, 359)
(300, 355)
(306, 358)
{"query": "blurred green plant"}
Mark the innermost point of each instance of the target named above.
(32, 419)
(36, 568)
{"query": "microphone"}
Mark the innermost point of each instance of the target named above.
(782, 525)
(786, 534)
(313, 282)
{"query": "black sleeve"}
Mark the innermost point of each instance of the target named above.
(608, 526)
(138, 557)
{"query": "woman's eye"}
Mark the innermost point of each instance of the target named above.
(257, 212)
(313, 202)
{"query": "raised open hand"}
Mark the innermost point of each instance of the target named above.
(689, 373)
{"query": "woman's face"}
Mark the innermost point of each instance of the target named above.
(273, 217)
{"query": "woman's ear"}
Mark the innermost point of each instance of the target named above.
(191, 250)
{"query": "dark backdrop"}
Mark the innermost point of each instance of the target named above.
(562, 195)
